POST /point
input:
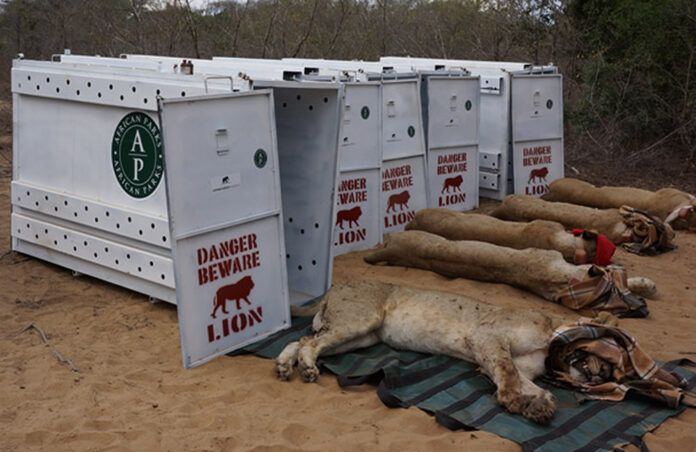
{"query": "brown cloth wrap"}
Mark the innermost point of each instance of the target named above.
(605, 289)
(646, 234)
(631, 368)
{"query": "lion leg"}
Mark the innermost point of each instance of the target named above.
(378, 255)
(340, 339)
(515, 392)
(286, 361)
(540, 404)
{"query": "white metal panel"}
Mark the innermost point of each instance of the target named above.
(73, 148)
(451, 118)
(489, 180)
(453, 106)
(230, 273)
(223, 147)
(402, 126)
(334, 66)
(438, 63)
(537, 102)
(489, 160)
(537, 132)
(453, 177)
(307, 121)
(104, 85)
(404, 192)
(239, 70)
(361, 126)
(358, 216)
(494, 130)
(149, 266)
(89, 214)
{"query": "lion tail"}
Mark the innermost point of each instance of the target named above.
(306, 310)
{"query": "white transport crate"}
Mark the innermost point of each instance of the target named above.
(521, 123)
(87, 190)
(307, 119)
(358, 199)
(404, 178)
(450, 105)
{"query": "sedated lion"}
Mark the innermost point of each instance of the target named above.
(510, 345)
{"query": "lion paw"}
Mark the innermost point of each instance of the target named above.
(642, 287)
(310, 374)
(283, 371)
(539, 409)
(512, 401)
(606, 318)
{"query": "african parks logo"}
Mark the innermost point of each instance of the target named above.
(136, 155)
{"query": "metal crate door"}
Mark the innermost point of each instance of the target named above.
(223, 195)
(537, 132)
(453, 112)
(404, 187)
(357, 225)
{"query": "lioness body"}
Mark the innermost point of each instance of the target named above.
(527, 208)
(510, 345)
(543, 272)
(660, 203)
(541, 234)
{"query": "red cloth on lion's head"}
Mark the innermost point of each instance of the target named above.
(605, 249)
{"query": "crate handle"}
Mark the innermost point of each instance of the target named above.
(219, 77)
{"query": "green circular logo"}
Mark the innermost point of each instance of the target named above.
(467, 105)
(365, 112)
(260, 158)
(549, 104)
(136, 155)
(411, 131)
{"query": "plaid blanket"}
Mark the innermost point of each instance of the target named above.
(646, 234)
(625, 367)
(460, 397)
(603, 289)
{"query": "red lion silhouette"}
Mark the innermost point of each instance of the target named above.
(539, 173)
(454, 182)
(401, 199)
(237, 292)
(351, 216)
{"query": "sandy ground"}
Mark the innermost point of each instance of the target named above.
(131, 392)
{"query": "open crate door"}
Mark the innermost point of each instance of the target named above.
(452, 132)
(537, 131)
(223, 195)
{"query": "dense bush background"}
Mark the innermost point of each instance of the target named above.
(629, 65)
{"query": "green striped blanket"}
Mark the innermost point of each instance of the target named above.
(460, 397)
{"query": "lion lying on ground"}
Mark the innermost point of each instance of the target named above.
(541, 234)
(543, 272)
(674, 206)
(623, 225)
(510, 345)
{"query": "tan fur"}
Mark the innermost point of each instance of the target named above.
(527, 208)
(543, 272)
(542, 234)
(510, 345)
(660, 203)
